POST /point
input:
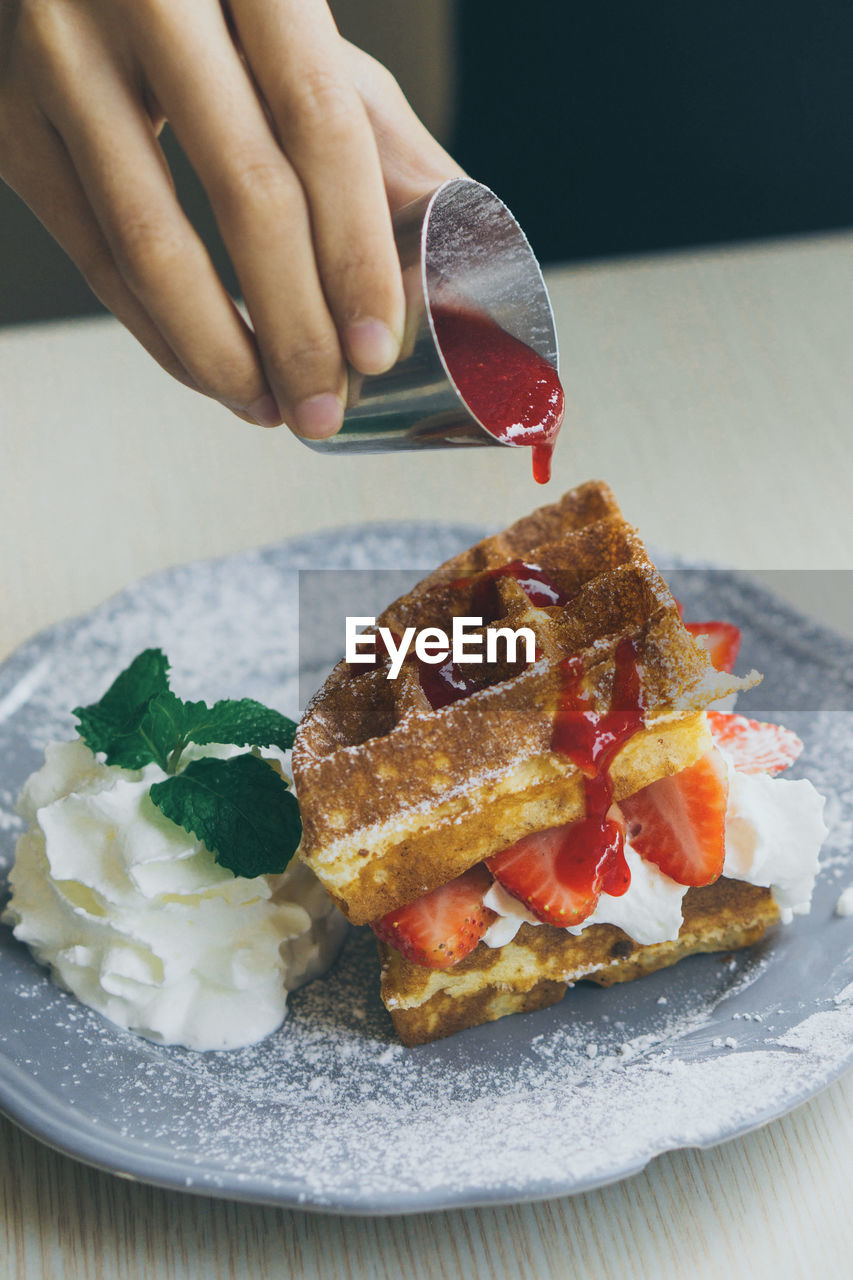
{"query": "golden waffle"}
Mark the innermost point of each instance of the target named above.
(536, 968)
(398, 798)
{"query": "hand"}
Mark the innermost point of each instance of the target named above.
(305, 147)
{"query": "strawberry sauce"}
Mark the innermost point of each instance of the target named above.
(445, 684)
(513, 391)
(485, 599)
(538, 588)
(594, 851)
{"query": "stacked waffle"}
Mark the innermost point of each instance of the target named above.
(406, 785)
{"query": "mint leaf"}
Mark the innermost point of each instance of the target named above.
(120, 724)
(140, 720)
(241, 723)
(241, 808)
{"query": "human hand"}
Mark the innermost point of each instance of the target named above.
(305, 147)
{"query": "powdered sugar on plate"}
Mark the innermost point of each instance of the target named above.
(331, 1112)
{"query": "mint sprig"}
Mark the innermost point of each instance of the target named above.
(241, 808)
(121, 725)
(140, 721)
(240, 722)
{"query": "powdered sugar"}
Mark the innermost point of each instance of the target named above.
(331, 1111)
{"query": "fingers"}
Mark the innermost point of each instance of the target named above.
(261, 210)
(413, 162)
(295, 137)
(298, 60)
(37, 166)
(159, 257)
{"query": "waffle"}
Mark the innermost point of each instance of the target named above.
(398, 798)
(542, 962)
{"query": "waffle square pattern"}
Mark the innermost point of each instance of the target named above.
(402, 789)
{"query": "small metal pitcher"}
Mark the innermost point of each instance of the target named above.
(460, 245)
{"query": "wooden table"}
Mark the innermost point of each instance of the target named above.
(714, 392)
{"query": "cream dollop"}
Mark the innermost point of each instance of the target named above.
(774, 831)
(844, 905)
(135, 917)
(650, 910)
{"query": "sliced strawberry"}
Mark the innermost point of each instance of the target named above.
(679, 823)
(560, 873)
(721, 639)
(755, 747)
(440, 928)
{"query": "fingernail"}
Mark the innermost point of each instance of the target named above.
(319, 417)
(265, 411)
(371, 346)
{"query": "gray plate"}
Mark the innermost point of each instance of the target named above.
(331, 1113)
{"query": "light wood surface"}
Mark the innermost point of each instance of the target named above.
(714, 392)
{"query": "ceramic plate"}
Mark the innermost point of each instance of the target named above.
(331, 1113)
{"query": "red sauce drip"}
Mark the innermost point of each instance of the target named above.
(592, 859)
(513, 391)
(446, 683)
(536, 585)
(595, 846)
(542, 455)
(588, 738)
(443, 685)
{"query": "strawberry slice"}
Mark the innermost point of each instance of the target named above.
(679, 823)
(440, 928)
(720, 639)
(755, 747)
(560, 873)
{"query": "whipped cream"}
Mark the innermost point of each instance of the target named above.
(649, 910)
(135, 917)
(844, 905)
(774, 831)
